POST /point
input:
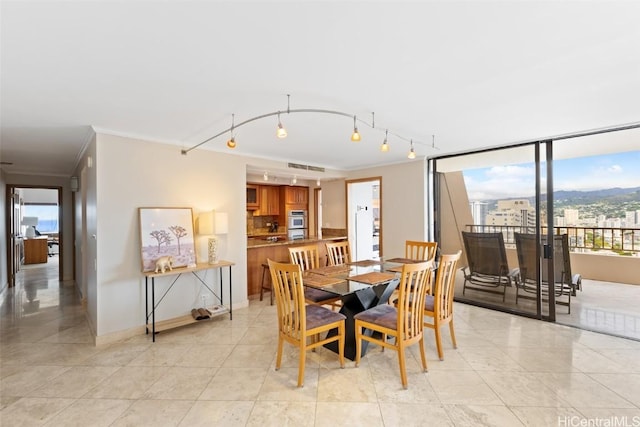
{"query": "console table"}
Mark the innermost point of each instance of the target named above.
(177, 272)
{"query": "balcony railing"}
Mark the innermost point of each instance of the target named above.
(605, 240)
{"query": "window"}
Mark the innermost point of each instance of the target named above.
(47, 216)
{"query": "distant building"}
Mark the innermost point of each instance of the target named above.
(479, 212)
(571, 216)
(514, 213)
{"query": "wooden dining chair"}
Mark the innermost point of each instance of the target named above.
(338, 252)
(307, 258)
(439, 306)
(424, 251)
(398, 321)
(301, 324)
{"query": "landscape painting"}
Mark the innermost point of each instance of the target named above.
(166, 234)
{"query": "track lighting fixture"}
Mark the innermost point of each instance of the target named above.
(412, 154)
(265, 176)
(318, 182)
(294, 180)
(385, 147)
(281, 132)
(355, 136)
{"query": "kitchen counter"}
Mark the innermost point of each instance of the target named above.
(259, 250)
(259, 242)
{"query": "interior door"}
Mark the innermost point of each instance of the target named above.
(360, 218)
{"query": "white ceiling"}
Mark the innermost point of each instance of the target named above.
(474, 74)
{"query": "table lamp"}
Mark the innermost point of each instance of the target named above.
(30, 222)
(212, 223)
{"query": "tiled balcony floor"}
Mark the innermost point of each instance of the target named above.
(611, 308)
(507, 371)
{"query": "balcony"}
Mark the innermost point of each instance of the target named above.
(608, 260)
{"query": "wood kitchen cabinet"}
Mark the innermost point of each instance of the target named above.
(296, 195)
(269, 200)
(253, 197)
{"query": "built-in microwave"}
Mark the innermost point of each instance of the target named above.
(297, 219)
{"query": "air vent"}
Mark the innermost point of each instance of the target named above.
(305, 167)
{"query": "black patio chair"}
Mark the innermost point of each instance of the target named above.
(488, 270)
(565, 283)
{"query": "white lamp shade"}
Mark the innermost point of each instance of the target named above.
(212, 222)
(30, 221)
(205, 223)
(221, 223)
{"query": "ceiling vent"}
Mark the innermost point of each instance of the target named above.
(305, 167)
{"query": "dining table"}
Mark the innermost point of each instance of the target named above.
(361, 285)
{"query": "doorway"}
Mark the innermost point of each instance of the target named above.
(34, 238)
(364, 217)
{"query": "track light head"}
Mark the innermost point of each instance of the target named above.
(355, 136)
(385, 147)
(231, 143)
(412, 154)
(281, 132)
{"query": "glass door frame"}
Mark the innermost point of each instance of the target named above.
(434, 219)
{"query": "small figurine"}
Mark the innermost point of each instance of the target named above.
(163, 263)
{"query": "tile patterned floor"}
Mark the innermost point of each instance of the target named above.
(507, 371)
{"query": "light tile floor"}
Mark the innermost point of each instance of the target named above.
(507, 371)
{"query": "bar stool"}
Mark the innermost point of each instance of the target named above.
(269, 285)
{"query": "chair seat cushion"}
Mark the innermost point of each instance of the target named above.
(428, 303)
(319, 316)
(384, 315)
(317, 295)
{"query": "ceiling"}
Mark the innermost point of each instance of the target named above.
(451, 76)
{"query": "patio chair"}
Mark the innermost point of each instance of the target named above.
(529, 263)
(301, 324)
(488, 270)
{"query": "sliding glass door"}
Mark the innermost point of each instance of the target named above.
(494, 206)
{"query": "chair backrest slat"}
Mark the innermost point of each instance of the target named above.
(338, 253)
(289, 292)
(445, 285)
(414, 281)
(305, 256)
(425, 251)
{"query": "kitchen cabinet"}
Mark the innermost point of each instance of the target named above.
(253, 197)
(269, 201)
(296, 195)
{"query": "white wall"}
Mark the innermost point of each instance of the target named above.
(403, 203)
(131, 174)
(334, 204)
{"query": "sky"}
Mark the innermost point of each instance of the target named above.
(583, 174)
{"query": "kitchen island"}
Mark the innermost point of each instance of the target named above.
(259, 249)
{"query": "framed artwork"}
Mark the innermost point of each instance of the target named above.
(167, 239)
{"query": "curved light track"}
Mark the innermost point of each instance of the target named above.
(289, 111)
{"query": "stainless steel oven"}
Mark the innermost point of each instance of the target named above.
(296, 234)
(297, 220)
